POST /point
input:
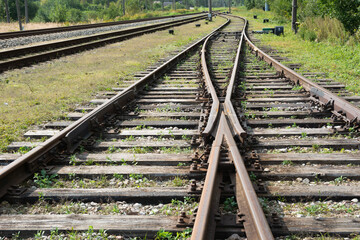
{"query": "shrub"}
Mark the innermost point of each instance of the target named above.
(74, 15)
(282, 8)
(323, 29)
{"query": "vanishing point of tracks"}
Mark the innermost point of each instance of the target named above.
(221, 143)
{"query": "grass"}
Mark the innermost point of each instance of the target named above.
(340, 61)
(287, 163)
(162, 234)
(43, 180)
(31, 95)
(115, 181)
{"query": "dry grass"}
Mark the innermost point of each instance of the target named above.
(46, 91)
(14, 26)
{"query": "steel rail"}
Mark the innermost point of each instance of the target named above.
(23, 167)
(214, 112)
(228, 107)
(68, 42)
(230, 111)
(82, 27)
(324, 96)
(256, 225)
(201, 226)
(85, 42)
(215, 100)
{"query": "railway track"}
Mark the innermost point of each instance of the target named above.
(17, 34)
(222, 143)
(28, 55)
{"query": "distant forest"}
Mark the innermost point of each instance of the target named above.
(103, 10)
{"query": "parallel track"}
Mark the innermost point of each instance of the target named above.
(29, 55)
(241, 130)
(35, 32)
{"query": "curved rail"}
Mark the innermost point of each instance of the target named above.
(23, 167)
(81, 27)
(214, 112)
(256, 225)
(229, 109)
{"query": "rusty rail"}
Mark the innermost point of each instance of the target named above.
(342, 108)
(229, 109)
(256, 225)
(210, 88)
(204, 223)
(214, 112)
(70, 137)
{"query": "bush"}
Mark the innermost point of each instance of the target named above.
(74, 15)
(307, 34)
(58, 13)
(282, 9)
(323, 29)
(348, 12)
(112, 11)
(249, 4)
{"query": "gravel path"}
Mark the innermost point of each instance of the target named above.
(9, 43)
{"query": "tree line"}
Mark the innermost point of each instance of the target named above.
(87, 10)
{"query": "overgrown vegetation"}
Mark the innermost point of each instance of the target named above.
(321, 19)
(89, 10)
(103, 10)
(322, 29)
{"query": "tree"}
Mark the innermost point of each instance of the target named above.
(26, 11)
(7, 10)
(347, 11)
(18, 14)
(249, 4)
(282, 8)
(58, 13)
